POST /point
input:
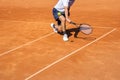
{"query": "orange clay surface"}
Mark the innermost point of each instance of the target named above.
(30, 50)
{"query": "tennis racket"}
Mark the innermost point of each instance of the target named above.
(84, 28)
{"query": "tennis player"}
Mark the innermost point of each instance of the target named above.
(61, 13)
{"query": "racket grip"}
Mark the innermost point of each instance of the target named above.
(72, 23)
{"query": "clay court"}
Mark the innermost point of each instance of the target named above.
(30, 50)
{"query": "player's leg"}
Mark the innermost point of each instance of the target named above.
(56, 27)
(63, 25)
(55, 15)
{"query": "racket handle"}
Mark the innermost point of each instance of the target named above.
(72, 23)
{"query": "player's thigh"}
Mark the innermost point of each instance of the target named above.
(62, 18)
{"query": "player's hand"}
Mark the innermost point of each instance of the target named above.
(68, 20)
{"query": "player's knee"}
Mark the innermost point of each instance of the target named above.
(63, 19)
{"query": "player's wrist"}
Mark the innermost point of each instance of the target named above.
(68, 20)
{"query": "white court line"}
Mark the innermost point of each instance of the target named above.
(28, 43)
(43, 69)
(6, 52)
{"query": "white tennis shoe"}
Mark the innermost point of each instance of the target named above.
(53, 27)
(65, 37)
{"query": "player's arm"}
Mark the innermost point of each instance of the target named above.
(66, 14)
